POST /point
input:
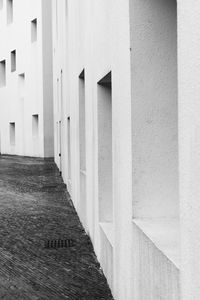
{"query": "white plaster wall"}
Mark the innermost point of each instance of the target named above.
(47, 78)
(95, 36)
(18, 104)
(189, 128)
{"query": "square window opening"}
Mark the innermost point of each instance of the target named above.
(35, 126)
(13, 61)
(1, 4)
(105, 158)
(21, 84)
(69, 147)
(12, 134)
(2, 73)
(9, 11)
(34, 30)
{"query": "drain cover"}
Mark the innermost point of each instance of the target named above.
(55, 244)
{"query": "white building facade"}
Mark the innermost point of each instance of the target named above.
(116, 137)
(26, 93)
(126, 125)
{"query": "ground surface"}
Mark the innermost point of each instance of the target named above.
(35, 207)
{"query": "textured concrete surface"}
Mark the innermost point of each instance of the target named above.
(35, 207)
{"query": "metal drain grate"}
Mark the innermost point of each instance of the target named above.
(55, 244)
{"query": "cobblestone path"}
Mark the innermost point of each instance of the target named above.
(35, 207)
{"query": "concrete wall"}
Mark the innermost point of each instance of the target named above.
(47, 78)
(94, 36)
(26, 92)
(151, 128)
(189, 132)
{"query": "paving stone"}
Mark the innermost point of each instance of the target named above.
(34, 207)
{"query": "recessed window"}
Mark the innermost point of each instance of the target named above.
(56, 19)
(12, 134)
(105, 149)
(155, 115)
(22, 78)
(21, 84)
(155, 147)
(9, 11)
(82, 147)
(35, 127)
(2, 73)
(69, 147)
(34, 30)
(105, 174)
(1, 4)
(82, 121)
(13, 61)
(66, 8)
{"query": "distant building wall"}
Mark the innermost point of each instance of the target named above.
(26, 48)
